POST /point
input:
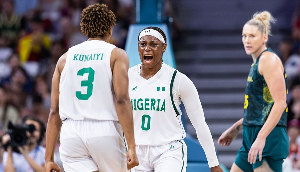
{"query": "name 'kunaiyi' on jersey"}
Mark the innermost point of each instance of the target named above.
(149, 104)
(87, 57)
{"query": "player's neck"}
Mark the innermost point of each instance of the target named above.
(147, 72)
(98, 39)
(105, 38)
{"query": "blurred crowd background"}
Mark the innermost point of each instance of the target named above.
(35, 33)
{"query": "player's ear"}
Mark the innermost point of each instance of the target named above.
(164, 47)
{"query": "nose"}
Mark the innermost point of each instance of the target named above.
(147, 48)
(247, 40)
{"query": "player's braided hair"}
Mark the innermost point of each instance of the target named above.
(159, 30)
(97, 20)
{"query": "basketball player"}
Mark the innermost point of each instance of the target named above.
(90, 102)
(265, 140)
(156, 91)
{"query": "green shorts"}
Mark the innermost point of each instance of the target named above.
(275, 151)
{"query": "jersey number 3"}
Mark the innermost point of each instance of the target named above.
(86, 83)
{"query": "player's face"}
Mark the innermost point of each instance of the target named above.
(253, 40)
(151, 51)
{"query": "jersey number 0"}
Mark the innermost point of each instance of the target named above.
(86, 83)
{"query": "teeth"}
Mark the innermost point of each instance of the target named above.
(148, 57)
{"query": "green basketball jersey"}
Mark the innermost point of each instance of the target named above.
(258, 100)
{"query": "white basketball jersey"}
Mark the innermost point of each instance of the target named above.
(156, 120)
(85, 90)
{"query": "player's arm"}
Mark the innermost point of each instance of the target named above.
(120, 66)
(190, 98)
(230, 134)
(271, 68)
(54, 121)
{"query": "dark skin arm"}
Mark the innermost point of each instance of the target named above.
(119, 66)
(54, 121)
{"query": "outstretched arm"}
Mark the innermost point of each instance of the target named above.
(54, 121)
(190, 98)
(119, 66)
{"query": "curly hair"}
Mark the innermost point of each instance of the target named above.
(157, 29)
(97, 20)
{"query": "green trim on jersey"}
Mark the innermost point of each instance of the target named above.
(171, 93)
(258, 99)
(182, 155)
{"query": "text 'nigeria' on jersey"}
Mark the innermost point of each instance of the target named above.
(150, 104)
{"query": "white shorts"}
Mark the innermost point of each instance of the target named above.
(171, 157)
(87, 146)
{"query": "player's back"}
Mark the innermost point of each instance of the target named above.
(86, 83)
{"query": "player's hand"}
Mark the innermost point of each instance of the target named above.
(228, 136)
(216, 169)
(256, 148)
(132, 159)
(52, 167)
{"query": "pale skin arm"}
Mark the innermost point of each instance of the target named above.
(9, 166)
(25, 150)
(120, 66)
(271, 68)
(230, 134)
(31, 162)
(54, 121)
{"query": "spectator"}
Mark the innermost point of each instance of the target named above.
(7, 111)
(10, 23)
(292, 162)
(6, 67)
(22, 7)
(70, 34)
(50, 13)
(293, 133)
(296, 23)
(290, 59)
(42, 89)
(19, 85)
(34, 46)
(31, 156)
(37, 109)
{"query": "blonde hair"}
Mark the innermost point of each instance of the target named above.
(262, 20)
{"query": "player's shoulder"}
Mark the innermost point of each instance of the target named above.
(119, 53)
(170, 70)
(269, 58)
(134, 70)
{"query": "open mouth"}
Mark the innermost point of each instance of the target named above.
(148, 58)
